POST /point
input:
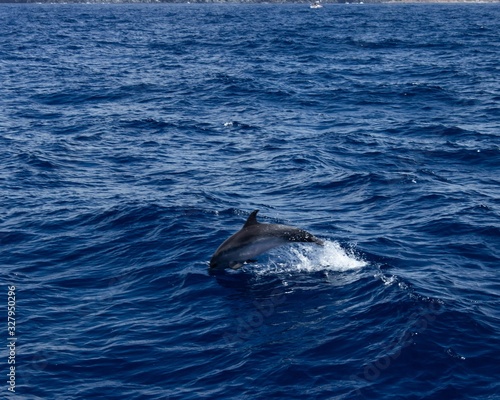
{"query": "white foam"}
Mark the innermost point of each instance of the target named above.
(312, 258)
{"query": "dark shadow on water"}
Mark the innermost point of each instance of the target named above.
(244, 279)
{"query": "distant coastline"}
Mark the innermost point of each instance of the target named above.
(327, 2)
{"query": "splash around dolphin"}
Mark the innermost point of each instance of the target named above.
(254, 239)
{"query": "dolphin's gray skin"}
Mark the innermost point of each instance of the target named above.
(254, 239)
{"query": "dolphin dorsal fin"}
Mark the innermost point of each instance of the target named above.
(252, 219)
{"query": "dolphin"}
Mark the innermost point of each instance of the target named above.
(256, 238)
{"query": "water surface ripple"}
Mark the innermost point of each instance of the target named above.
(136, 138)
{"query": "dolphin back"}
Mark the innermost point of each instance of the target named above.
(294, 235)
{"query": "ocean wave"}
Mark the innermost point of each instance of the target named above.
(136, 138)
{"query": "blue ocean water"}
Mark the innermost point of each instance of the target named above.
(136, 138)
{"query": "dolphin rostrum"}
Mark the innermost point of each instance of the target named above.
(256, 238)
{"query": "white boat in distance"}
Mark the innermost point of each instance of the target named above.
(316, 4)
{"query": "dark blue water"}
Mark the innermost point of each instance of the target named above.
(136, 138)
